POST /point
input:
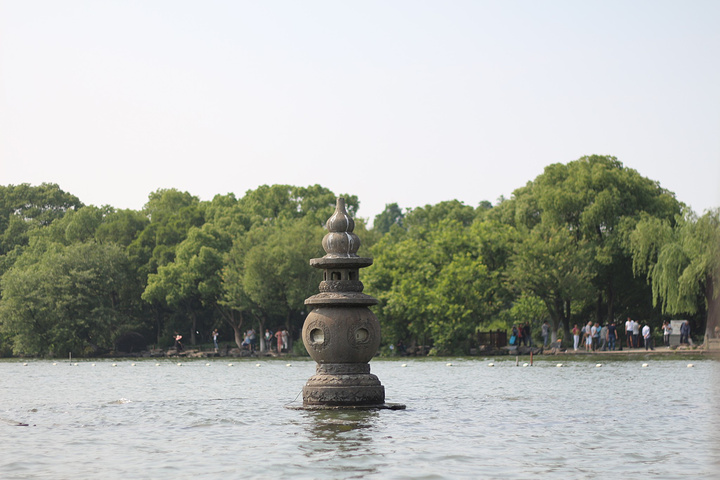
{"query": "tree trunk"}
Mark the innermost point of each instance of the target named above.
(554, 308)
(610, 303)
(566, 319)
(158, 325)
(193, 318)
(234, 324)
(238, 336)
(713, 309)
(290, 332)
(261, 335)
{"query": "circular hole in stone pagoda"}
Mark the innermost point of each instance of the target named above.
(361, 335)
(317, 335)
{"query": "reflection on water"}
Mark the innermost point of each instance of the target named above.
(337, 426)
(464, 420)
(340, 441)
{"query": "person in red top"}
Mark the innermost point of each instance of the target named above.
(278, 336)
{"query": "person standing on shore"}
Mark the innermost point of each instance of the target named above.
(667, 330)
(612, 336)
(285, 339)
(684, 333)
(646, 337)
(178, 343)
(520, 333)
(593, 336)
(576, 337)
(515, 336)
(603, 337)
(278, 337)
(545, 333)
(636, 333)
(268, 339)
(596, 337)
(628, 332)
(215, 338)
(588, 336)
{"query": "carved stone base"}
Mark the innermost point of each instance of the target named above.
(384, 406)
(343, 384)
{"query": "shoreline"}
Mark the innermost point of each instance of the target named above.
(662, 353)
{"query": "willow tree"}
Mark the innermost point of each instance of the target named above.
(681, 262)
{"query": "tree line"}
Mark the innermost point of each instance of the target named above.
(586, 240)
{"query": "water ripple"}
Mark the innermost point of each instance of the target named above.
(468, 421)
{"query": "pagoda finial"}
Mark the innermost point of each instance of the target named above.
(340, 241)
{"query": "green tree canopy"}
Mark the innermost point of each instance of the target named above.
(24, 208)
(597, 201)
(392, 215)
(269, 274)
(193, 280)
(67, 299)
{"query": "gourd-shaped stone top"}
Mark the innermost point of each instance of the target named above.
(340, 241)
(341, 283)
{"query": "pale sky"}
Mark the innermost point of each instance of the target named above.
(412, 102)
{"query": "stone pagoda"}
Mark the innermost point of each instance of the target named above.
(341, 333)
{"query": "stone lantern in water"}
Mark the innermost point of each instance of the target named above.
(341, 333)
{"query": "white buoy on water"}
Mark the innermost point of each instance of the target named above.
(288, 364)
(690, 365)
(491, 364)
(229, 364)
(114, 364)
(404, 365)
(559, 365)
(525, 364)
(644, 365)
(257, 364)
(448, 364)
(598, 365)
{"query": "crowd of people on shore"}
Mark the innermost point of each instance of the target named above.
(521, 335)
(281, 338)
(594, 336)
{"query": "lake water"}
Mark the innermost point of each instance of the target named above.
(465, 420)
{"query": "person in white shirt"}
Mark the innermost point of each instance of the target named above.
(628, 332)
(667, 330)
(646, 337)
